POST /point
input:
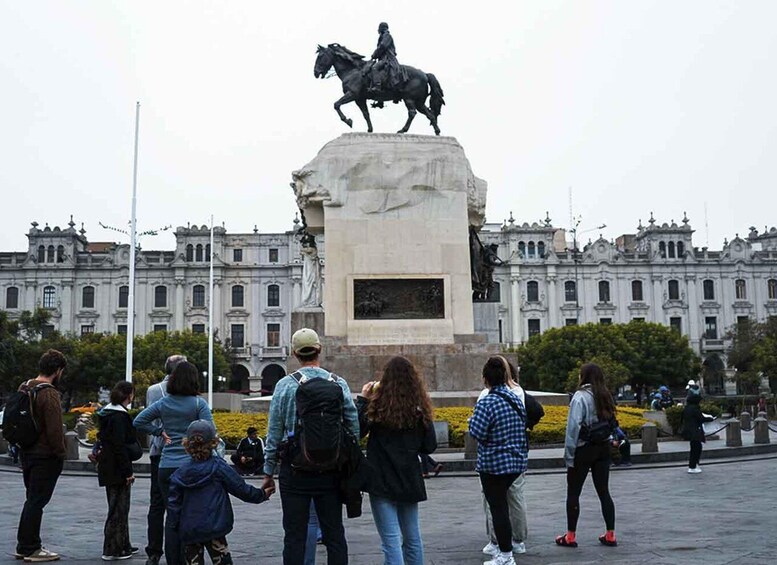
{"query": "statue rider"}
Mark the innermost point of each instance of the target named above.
(386, 57)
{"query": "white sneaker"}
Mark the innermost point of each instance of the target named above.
(519, 547)
(501, 559)
(491, 549)
(41, 555)
(695, 471)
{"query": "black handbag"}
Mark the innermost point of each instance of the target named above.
(598, 432)
(134, 451)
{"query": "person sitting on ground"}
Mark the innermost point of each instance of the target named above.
(199, 508)
(655, 404)
(624, 448)
(249, 456)
(666, 397)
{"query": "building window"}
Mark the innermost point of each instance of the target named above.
(41, 254)
(743, 322)
(604, 291)
(190, 253)
(47, 331)
(531, 249)
(671, 250)
(676, 323)
(680, 250)
(121, 329)
(198, 328)
(238, 336)
(741, 289)
(49, 293)
(60, 254)
(237, 255)
(709, 289)
(638, 319)
(50, 254)
(534, 327)
(273, 296)
(605, 321)
(198, 253)
(87, 329)
(207, 252)
(532, 291)
(198, 296)
(273, 335)
(160, 297)
(636, 291)
(541, 250)
(772, 289)
(273, 255)
(522, 249)
(238, 298)
(11, 298)
(123, 296)
(711, 327)
(160, 327)
(570, 322)
(662, 249)
(674, 290)
(570, 291)
(87, 297)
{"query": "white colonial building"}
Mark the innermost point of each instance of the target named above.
(655, 275)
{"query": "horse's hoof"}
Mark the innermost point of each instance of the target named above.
(349, 122)
(369, 130)
(402, 131)
(436, 132)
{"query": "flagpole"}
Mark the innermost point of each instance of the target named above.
(210, 321)
(133, 245)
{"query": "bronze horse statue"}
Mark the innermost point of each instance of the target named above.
(353, 71)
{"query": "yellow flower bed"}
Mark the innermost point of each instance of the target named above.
(232, 427)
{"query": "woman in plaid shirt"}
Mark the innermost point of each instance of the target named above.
(499, 425)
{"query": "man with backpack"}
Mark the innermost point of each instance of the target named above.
(310, 414)
(33, 421)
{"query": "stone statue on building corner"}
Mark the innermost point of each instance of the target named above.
(311, 268)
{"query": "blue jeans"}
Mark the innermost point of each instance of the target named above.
(314, 534)
(400, 534)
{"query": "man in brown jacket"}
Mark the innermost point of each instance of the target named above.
(42, 463)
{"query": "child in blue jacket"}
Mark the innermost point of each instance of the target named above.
(199, 507)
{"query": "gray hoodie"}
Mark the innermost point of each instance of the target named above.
(582, 410)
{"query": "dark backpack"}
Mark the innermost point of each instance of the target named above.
(19, 425)
(319, 429)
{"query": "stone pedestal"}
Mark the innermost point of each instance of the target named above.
(649, 438)
(761, 427)
(733, 433)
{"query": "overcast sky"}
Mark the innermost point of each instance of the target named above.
(638, 106)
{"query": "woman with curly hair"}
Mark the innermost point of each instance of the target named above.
(397, 413)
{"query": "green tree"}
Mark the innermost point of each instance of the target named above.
(615, 374)
(660, 355)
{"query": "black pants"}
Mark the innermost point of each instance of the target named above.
(156, 513)
(40, 477)
(218, 550)
(495, 489)
(173, 547)
(693, 459)
(116, 540)
(625, 450)
(250, 468)
(297, 490)
(595, 458)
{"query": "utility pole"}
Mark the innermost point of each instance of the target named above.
(133, 244)
(210, 320)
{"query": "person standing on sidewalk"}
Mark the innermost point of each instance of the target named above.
(397, 414)
(590, 427)
(498, 423)
(156, 505)
(312, 391)
(42, 462)
(692, 430)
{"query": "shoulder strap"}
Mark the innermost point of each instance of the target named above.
(509, 400)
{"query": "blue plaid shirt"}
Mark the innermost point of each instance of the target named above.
(501, 434)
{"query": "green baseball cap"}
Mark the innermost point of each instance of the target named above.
(305, 341)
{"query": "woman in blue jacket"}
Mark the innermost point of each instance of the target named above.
(176, 411)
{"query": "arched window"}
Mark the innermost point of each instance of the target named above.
(541, 249)
(11, 298)
(671, 250)
(273, 295)
(570, 291)
(207, 252)
(522, 249)
(531, 249)
(50, 254)
(674, 290)
(41, 254)
(740, 286)
(87, 297)
(604, 291)
(636, 291)
(190, 252)
(49, 294)
(198, 296)
(680, 250)
(662, 249)
(532, 291)
(198, 254)
(123, 296)
(238, 298)
(60, 254)
(709, 289)
(160, 297)
(771, 286)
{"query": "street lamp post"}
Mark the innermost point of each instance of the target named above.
(576, 259)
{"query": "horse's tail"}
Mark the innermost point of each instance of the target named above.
(437, 101)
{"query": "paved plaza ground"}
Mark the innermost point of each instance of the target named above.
(723, 516)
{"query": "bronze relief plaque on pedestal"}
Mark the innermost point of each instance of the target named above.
(398, 299)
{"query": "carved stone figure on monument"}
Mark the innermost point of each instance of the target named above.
(311, 275)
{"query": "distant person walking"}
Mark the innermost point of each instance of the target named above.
(591, 424)
(156, 505)
(397, 414)
(119, 447)
(692, 429)
(498, 423)
(41, 460)
(174, 413)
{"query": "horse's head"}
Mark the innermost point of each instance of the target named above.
(324, 61)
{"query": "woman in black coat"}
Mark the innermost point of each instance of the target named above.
(692, 429)
(119, 448)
